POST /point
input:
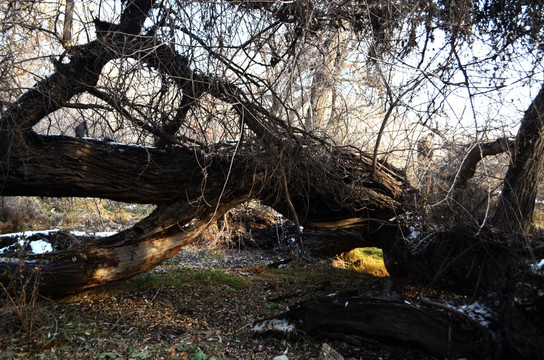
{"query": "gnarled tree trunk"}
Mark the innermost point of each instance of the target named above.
(191, 188)
(517, 200)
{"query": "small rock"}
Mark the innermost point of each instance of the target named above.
(328, 353)
(8, 354)
(281, 357)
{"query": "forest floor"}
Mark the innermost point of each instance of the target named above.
(201, 304)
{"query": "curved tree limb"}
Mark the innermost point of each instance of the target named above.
(477, 153)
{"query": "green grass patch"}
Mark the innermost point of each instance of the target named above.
(315, 274)
(178, 277)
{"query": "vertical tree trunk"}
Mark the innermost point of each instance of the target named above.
(68, 18)
(321, 107)
(516, 203)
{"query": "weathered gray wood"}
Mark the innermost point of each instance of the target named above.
(328, 353)
(128, 253)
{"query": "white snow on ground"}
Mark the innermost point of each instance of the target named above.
(414, 234)
(274, 325)
(24, 234)
(477, 312)
(42, 246)
(97, 234)
(37, 247)
(538, 266)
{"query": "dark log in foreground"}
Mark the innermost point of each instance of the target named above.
(523, 318)
(437, 330)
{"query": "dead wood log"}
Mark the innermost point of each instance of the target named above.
(136, 250)
(438, 330)
(65, 166)
(523, 318)
(190, 186)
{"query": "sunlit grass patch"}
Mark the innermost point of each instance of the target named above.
(364, 260)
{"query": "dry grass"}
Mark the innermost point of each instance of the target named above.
(365, 260)
(33, 213)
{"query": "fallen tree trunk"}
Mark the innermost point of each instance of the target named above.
(438, 330)
(326, 187)
(191, 188)
(64, 166)
(134, 251)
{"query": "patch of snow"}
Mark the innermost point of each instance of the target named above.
(414, 234)
(274, 325)
(97, 234)
(477, 312)
(24, 234)
(538, 267)
(40, 247)
(37, 246)
(281, 357)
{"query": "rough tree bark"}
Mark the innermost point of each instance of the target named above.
(517, 200)
(344, 200)
(174, 179)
